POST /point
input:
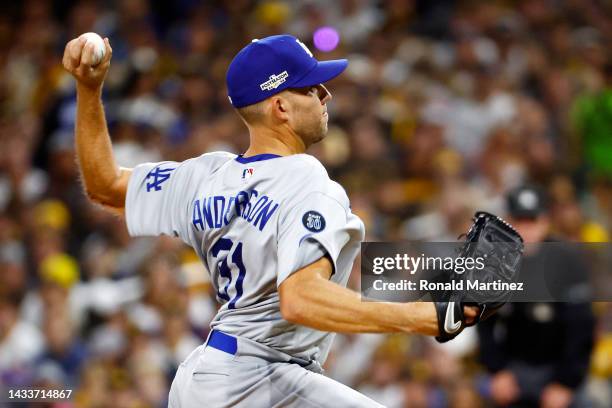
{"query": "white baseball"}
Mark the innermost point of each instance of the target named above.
(99, 47)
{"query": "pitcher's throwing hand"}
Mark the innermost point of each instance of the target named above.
(80, 60)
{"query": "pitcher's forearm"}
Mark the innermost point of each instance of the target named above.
(104, 181)
(326, 306)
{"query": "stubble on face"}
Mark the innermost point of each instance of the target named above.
(314, 128)
(310, 122)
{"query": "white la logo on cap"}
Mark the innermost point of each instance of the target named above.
(275, 81)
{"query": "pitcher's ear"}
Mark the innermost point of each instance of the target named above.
(280, 106)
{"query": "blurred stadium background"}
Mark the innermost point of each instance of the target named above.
(444, 107)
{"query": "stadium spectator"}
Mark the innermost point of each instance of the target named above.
(547, 367)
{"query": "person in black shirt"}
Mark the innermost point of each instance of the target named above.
(538, 352)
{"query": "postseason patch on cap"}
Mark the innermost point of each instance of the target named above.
(274, 81)
(313, 221)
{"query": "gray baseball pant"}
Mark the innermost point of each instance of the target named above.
(256, 376)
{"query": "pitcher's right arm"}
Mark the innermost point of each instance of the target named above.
(104, 181)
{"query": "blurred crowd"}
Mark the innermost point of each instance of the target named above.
(445, 106)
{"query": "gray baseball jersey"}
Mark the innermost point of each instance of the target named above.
(253, 222)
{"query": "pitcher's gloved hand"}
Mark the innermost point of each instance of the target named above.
(501, 248)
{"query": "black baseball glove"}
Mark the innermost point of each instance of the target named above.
(500, 248)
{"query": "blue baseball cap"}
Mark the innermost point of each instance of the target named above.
(268, 66)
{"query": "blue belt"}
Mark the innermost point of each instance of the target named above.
(229, 344)
(223, 342)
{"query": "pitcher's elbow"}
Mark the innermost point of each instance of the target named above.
(292, 308)
(289, 312)
(98, 197)
(92, 195)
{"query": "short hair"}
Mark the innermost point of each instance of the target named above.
(254, 113)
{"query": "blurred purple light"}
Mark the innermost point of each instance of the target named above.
(326, 38)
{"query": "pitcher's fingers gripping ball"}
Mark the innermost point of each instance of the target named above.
(87, 58)
(95, 44)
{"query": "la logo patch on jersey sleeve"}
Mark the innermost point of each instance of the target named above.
(157, 177)
(313, 221)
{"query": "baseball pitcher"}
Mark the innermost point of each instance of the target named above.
(275, 233)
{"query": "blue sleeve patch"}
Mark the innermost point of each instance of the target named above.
(313, 221)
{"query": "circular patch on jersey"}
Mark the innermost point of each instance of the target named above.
(313, 221)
